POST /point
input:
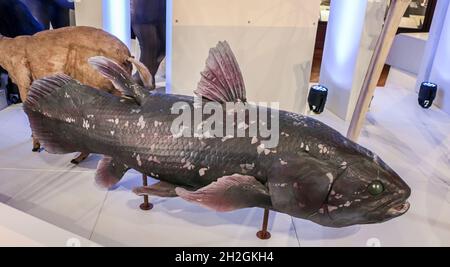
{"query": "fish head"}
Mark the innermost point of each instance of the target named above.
(366, 190)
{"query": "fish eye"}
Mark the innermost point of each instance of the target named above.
(375, 188)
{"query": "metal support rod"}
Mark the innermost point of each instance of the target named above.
(146, 205)
(384, 44)
(264, 234)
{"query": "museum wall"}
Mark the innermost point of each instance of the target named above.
(273, 41)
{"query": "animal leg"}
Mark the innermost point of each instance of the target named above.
(36, 145)
(80, 158)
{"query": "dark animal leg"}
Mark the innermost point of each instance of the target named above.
(80, 158)
(264, 234)
(39, 9)
(36, 145)
(59, 16)
(146, 205)
(151, 46)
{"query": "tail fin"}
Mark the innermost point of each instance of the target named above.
(120, 78)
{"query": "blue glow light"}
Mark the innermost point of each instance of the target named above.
(428, 84)
(117, 19)
(320, 88)
(169, 25)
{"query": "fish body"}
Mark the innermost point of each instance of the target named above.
(313, 172)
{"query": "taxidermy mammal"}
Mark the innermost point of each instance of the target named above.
(148, 21)
(51, 12)
(16, 20)
(313, 173)
(66, 50)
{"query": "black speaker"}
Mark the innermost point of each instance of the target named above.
(427, 94)
(317, 98)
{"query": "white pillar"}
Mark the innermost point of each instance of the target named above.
(353, 29)
(112, 16)
(436, 62)
(169, 25)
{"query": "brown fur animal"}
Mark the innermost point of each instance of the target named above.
(65, 50)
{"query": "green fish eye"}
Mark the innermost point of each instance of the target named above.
(376, 188)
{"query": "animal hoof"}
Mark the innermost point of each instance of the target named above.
(36, 149)
(75, 161)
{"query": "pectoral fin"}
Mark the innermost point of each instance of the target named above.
(229, 193)
(161, 189)
(109, 172)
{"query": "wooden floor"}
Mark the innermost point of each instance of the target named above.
(317, 63)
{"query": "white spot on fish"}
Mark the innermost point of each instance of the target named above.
(280, 184)
(302, 145)
(189, 166)
(332, 208)
(112, 132)
(254, 140)
(86, 124)
(347, 204)
(141, 123)
(158, 123)
(138, 159)
(226, 138)
(338, 196)
(154, 159)
(202, 171)
(142, 135)
(330, 177)
(127, 124)
(284, 134)
(137, 111)
(111, 120)
(283, 162)
(90, 116)
(260, 149)
(66, 95)
(70, 120)
(116, 121)
(307, 148)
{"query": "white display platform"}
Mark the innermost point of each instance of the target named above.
(415, 143)
(20, 229)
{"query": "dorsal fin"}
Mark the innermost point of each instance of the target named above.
(119, 77)
(222, 78)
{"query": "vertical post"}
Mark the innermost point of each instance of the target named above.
(395, 14)
(146, 205)
(264, 234)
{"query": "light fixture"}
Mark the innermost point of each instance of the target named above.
(427, 94)
(317, 98)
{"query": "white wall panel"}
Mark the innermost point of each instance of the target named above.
(273, 41)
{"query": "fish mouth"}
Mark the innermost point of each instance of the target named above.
(399, 209)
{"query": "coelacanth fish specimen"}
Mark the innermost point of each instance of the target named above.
(313, 173)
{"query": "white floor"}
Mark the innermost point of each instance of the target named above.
(415, 142)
